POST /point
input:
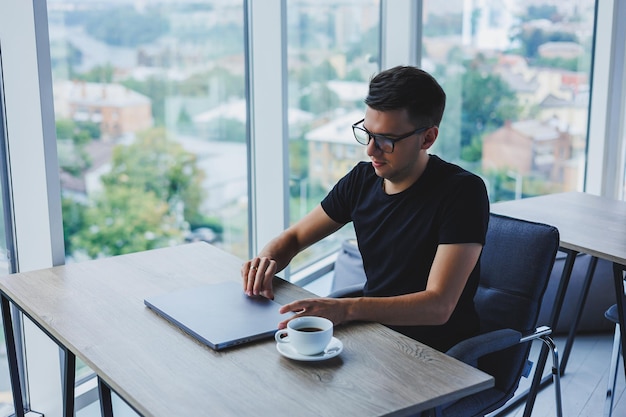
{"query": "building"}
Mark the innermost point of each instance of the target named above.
(333, 149)
(117, 109)
(528, 148)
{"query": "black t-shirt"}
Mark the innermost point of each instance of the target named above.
(398, 235)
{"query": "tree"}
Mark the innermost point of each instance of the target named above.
(532, 38)
(98, 74)
(138, 28)
(157, 89)
(487, 103)
(160, 165)
(79, 135)
(125, 220)
(154, 189)
(319, 99)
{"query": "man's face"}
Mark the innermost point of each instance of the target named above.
(404, 165)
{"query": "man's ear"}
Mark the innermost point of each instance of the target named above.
(430, 136)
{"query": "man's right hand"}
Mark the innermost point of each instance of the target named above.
(258, 274)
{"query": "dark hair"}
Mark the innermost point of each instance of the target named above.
(410, 88)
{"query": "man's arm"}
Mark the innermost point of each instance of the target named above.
(259, 272)
(450, 271)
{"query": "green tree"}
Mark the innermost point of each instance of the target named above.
(138, 28)
(548, 12)
(79, 134)
(73, 221)
(125, 220)
(98, 74)
(159, 165)
(531, 39)
(231, 130)
(319, 99)
(199, 85)
(487, 103)
(153, 189)
(299, 157)
(156, 89)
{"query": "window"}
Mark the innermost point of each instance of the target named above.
(151, 124)
(333, 50)
(517, 76)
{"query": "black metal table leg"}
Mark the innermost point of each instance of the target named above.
(537, 383)
(620, 295)
(106, 405)
(69, 382)
(591, 269)
(16, 385)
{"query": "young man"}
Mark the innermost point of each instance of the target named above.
(420, 222)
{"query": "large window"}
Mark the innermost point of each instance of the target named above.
(151, 124)
(332, 51)
(517, 75)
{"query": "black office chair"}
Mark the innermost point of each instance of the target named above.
(515, 267)
(611, 314)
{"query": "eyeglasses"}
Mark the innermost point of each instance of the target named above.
(382, 142)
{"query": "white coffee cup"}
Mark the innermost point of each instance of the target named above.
(309, 335)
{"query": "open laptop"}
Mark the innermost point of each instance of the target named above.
(219, 315)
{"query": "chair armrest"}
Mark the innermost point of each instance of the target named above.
(355, 290)
(470, 350)
(539, 333)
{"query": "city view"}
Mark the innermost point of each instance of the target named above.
(151, 112)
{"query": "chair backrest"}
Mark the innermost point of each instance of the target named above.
(515, 266)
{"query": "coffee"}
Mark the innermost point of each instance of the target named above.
(309, 329)
(308, 335)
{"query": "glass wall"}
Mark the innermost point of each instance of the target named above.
(151, 124)
(150, 115)
(151, 112)
(517, 75)
(332, 51)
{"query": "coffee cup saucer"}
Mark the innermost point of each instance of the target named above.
(334, 348)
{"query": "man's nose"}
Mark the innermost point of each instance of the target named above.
(372, 148)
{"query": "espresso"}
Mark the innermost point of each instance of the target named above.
(309, 329)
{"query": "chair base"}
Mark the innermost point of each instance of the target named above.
(556, 373)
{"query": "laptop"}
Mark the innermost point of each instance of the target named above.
(220, 315)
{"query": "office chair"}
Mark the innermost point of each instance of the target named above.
(611, 314)
(515, 267)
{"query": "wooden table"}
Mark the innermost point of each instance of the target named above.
(587, 224)
(95, 310)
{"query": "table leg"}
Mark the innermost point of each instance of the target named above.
(554, 320)
(69, 382)
(538, 383)
(106, 405)
(16, 385)
(620, 295)
(591, 269)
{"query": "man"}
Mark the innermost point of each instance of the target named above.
(420, 222)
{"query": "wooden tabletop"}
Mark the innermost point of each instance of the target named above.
(96, 309)
(587, 223)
